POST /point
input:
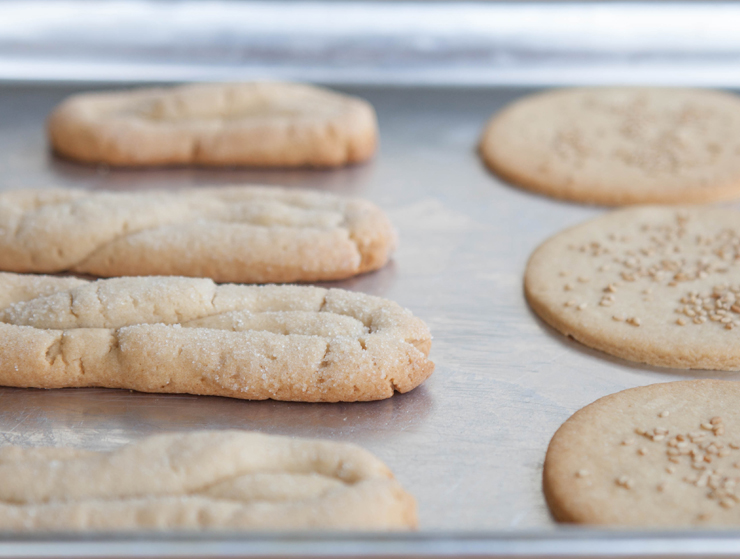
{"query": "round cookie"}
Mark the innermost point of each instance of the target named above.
(618, 146)
(262, 124)
(653, 284)
(659, 455)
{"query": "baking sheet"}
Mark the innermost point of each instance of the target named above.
(470, 442)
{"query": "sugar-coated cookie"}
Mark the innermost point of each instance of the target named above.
(660, 455)
(617, 146)
(263, 124)
(187, 335)
(234, 234)
(203, 480)
(657, 285)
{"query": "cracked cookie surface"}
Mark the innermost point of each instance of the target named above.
(186, 335)
(660, 455)
(618, 146)
(203, 480)
(232, 234)
(654, 284)
(260, 124)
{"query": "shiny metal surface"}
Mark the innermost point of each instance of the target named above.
(372, 42)
(470, 442)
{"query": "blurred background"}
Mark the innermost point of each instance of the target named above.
(379, 42)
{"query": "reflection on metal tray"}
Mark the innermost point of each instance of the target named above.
(372, 42)
(469, 443)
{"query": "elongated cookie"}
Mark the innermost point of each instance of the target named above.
(259, 124)
(659, 455)
(615, 146)
(235, 234)
(185, 335)
(653, 284)
(206, 480)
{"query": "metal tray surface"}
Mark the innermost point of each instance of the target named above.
(470, 442)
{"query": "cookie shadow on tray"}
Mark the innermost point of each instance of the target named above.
(349, 180)
(118, 414)
(572, 344)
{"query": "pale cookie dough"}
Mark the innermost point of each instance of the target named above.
(260, 124)
(206, 480)
(660, 455)
(619, 146)
(185, 335)
(233, 234)
(654, 284)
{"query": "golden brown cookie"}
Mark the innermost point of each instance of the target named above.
(205, 480)
(185, 335)
(234, 234)
(263, 124)
(659, 455)
(657, 285)
(617, 146)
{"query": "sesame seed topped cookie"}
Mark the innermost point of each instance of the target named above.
(653, 284)
(661, 455)
(618, 146)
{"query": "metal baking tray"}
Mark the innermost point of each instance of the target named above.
(470, 442)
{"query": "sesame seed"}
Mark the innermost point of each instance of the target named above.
(570, 303)
(567, 287)
(661, 487)
(727, 503)
(642, 451)
(581, 306)
(628, 442)
(634, 321)
(582, 473)
(584, 279)
(680, 322)
(626, 482)
(618, 318)
(664, 414)
(715, 420)
(670, 469)
(707, 426)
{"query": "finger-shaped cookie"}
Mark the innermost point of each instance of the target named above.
(186, 335)
(234, 234)
(255, 124)
(214, 480)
